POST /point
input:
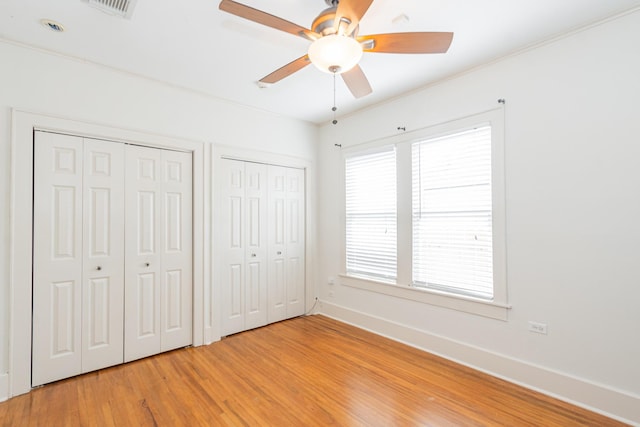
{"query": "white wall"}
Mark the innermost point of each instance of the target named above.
(573, 218)
(36, 81)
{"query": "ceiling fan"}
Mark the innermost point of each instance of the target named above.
(336, 46)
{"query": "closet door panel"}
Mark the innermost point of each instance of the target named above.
(243, 189)
(57, 257)
(253, 289)
(256, 247)
(235, 298)
(286, 242)
(277, 197)
(143, 253)
(295, 292)
(295, 242)
(176, 298)
(277, 290)
(103, 262)
(231, 235)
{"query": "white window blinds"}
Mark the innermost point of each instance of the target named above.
(452, 213)
(370, 187)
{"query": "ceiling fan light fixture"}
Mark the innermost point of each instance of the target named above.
(335, 53)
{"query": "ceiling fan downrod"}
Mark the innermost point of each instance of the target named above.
(334, 108)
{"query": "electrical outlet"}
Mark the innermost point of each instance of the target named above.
(537, 327)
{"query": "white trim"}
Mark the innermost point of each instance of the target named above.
(219, 152)
(257, 156)
(208, 336)
(430, 130)
(471, 305)
(599, 398)
(23, 125)
(4, 387)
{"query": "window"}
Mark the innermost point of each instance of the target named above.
(425, 220)
(370, 190)
(452, 221)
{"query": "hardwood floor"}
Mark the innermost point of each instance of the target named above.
(302, 372)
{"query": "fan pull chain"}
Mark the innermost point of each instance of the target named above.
(335, 121)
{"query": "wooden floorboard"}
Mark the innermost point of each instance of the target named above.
(309, 371)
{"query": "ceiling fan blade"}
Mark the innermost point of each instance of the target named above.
(357, 82)
(287, 70)
(353, 10)
(407, 42)
(255, 15)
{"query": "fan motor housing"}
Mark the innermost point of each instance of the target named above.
(324, 23)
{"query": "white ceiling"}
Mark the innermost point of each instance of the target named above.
(192, 44)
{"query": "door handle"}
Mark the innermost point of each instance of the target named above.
(98, 268)
(253, 255)
(279, 252)
(147, 264)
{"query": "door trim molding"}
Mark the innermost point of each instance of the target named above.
(21, 259)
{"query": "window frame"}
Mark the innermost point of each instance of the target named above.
(496, 308)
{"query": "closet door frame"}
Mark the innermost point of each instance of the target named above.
(221, 152)
(20, 321)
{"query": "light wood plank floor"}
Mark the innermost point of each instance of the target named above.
(302, 372)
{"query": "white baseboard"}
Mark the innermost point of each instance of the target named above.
(4, 387)
(615, 404)
(210, 337)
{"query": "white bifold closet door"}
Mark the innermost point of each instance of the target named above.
(244, 243)
(112, 248)
(158, 251)
(286, 247)
(261, 241)
(78, 276)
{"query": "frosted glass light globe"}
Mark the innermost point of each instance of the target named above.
(333, 51)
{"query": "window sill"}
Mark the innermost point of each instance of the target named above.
(491, 309)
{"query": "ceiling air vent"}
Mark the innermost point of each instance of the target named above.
(123, 8)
